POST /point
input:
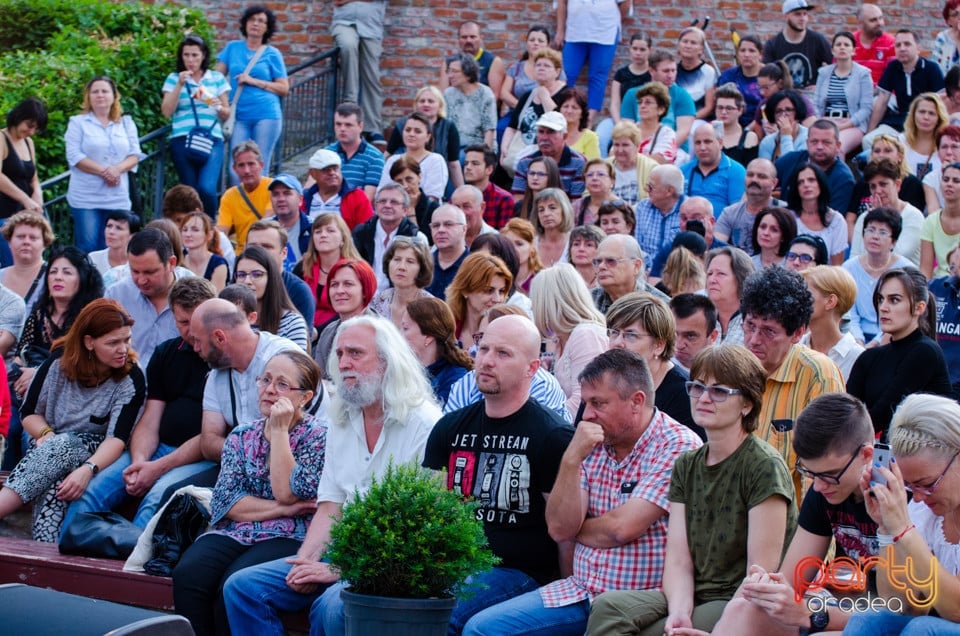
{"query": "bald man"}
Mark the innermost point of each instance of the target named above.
(504, 452)
(874, 47)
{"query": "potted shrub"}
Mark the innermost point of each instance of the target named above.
(405, 548)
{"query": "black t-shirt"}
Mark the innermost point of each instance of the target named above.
(911, 191)
(628, 79)
(671, 398)
(925, 77)
(802, 59)
(505, 465)
(176, 375)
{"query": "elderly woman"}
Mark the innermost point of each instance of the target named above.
(925, 440)
(644, 324)
(103, 147)
(657, 140)
(28, 234)
(946, 47)
(773, 231)
(482, 281)
(79, 413)
(428, 327)
(408, 265)
(573, 107)
(948, 151)
(599, 176)
(265, 495)
(786, 110)
(553, 224)
(446, 138)
(584, 241)
(351, 285)
(844, 93)
(565, 314)
(258, 79)
(471, 106)
(632, 168)
(523, 236)
(547, 66)
(693, 74)
(834, 291)
(196, 97)
(727, 268)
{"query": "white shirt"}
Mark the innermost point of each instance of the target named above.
(908, 245)
(844, 353)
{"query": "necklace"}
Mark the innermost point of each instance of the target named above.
(879, 270)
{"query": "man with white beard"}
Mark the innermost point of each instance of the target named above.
(383, 411)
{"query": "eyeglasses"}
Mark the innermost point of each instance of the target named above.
(281, 386)
(447, 225)
(394, 202)
(827, 478)
(477, 337)
(767, 333)
(726, 108)
(928, 490)
(877, 231)
(628, 336)
(537, 173)
(608, 261)
(593, 175)
(804, 258)
(783, 111)
(716, 392)
(256, 274)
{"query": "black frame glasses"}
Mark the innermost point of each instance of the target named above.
(825, 478)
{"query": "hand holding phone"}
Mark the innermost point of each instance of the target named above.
(881, 456)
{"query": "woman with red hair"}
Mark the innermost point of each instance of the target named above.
(79, 411)
(351, 285)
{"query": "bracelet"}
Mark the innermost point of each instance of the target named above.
(884, 540)
(905, 531)
(44, 431)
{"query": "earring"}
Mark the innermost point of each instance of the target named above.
(89, 354)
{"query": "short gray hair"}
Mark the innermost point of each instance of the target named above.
(670, 175)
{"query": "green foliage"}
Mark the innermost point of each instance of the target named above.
(54, 47)
(408, 537)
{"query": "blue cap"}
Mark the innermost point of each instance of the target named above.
(288, 180)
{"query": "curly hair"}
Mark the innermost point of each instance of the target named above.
(90, 283)
(780, 294)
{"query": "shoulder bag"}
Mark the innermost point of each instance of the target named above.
(232, 119)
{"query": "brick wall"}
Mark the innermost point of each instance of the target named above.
(420, 32)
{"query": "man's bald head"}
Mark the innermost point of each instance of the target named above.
(218, 313)
(519, 330)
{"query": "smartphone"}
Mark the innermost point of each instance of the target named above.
(881, 455)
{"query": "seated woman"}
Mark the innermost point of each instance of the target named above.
(941, 229)
(731, 506)
(773, 231)
(471, 106)
(519, 77)
(739, 143)
(911, 362)
(79, 411)
(481, 282)
(772, 78)
(786, 110)
(406, 172)
(547, 71)
(683, 271)
(428, 326)
(657, 141)
(911, 188)
(446, 138)
(275, 312)
(121, 225)
(584, 241)
(565, 313)
(806, 251)
(727, 268)
(644, 324)
(553, 223)
(573, 107)
(927, 115)
(351, 285)
(265, 495)
(409, 266)
(418, 141)
(542, 174)
(598, 175)
(202, 245)
(834, 292)
(617, 217)
(631, 169)
(28, 234)
(924, 438)
(330, 241)
(948, 150)
(809, 200)
(844, 93)
(500, 246)
(883, 177)
(523, 236)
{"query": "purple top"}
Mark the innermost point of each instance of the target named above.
(245, 470)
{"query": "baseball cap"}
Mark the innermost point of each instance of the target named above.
(288, 180)
(324, 158)
(794, 5)
(552, 120)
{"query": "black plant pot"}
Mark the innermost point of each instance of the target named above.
(378, 615)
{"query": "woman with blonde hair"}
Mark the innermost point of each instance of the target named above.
(683, 272)
(927, 115)
(28, 234)
(834, 292)
(202, 245)
(429, 100)
(523, 236)
(564, 312)
(553, 223)
(330, 241)
(428, 326)
(482, 281)
(632, 169)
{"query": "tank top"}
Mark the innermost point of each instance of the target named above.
(21, 173)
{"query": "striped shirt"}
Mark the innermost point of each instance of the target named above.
(803, 375)
(214, 84)
(544, 389)
(837, 96)
(363, 168)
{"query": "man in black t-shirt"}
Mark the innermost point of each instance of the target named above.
(833, 439)
(804, 50)
(504, 452)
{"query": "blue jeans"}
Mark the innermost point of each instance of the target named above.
(107, 490)
(204, 178)
(576, 54)
(266, 132)
(255, 596)
(526, 614)
(887, 623)
(88, 227)
(605, 133)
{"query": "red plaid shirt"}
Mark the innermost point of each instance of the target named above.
(637, 565)
(498, 206)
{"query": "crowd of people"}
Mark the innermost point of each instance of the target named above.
(656, 348)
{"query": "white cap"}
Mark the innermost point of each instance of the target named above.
(324, 158)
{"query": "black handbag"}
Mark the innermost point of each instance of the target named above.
(200, 141)
(100, 534)
(182, 521)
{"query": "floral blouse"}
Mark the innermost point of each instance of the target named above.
(245, 470)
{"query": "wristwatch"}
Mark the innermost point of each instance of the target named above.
(818, 623)
(93, 467)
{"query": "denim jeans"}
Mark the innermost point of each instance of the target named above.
(887, 623)
(107, 490)
(266, 132)
(600, 56)
(204, 178)
(88, 227)
(525, 614)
